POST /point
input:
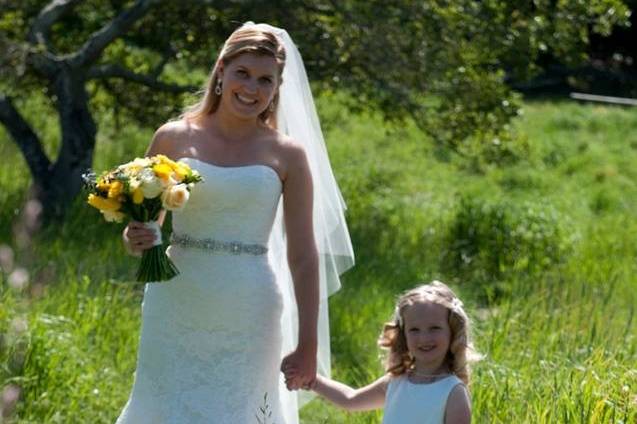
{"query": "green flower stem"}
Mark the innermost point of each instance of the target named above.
(156, 266)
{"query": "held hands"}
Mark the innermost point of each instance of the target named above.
(299, 368)
(137, 238)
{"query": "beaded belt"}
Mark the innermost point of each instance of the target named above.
(234, 247)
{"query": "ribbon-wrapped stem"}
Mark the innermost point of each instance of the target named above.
(155, 264)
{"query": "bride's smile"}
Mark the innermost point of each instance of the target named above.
(248, 84)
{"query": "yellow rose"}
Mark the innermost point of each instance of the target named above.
(103, 204)
(174, 198)
(138, 196)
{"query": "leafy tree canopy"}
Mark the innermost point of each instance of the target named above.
(443, 63)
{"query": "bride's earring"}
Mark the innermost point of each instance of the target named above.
(218, 88)
(271, 108)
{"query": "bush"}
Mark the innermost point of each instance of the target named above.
(490, 241)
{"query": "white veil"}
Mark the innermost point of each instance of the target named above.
(297, 117)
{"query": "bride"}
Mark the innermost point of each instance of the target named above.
(260, 247)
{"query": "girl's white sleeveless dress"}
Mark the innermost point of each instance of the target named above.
(210, 344)
(412, 403)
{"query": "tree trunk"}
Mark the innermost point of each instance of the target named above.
(56, 185)
(75, 156)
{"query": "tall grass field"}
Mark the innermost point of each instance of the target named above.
(542, 250)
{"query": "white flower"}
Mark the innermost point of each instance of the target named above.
(143, 162)
(150, 184)
(134, 184)
(174, 198)
(135, 166)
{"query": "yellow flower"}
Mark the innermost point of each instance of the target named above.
(113, 216)
(116, 189)
(103, 204)
(181, 171)
(138, 196)
(163, 159)
(103, 185)
(163, 171)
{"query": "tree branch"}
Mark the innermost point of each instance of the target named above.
(40, 50)
(25, 138)
(39, 32)
(92, 49)
(117, 71)
(165, 58)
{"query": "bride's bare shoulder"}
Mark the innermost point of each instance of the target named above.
(291, 153)
(171, 138)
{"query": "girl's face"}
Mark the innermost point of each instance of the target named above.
(428, 334)
(249, 82)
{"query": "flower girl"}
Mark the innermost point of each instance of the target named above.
(427, 365)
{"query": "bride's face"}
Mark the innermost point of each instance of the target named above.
(249, 82)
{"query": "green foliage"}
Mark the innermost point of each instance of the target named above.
(391, 56)
(559, 342)
(66, 331)
(492, 241)
(474, 118)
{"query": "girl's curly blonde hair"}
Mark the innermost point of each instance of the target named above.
(461, 351)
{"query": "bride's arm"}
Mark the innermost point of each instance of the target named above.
(303, 261)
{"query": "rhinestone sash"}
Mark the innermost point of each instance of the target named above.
(233, 247)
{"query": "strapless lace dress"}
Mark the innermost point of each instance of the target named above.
(210, 344)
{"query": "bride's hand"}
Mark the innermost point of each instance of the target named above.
(299, 368)
(137, 238)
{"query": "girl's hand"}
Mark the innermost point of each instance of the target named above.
(137, 238)
(299, 368)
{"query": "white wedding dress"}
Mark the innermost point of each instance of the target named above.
(210, 344)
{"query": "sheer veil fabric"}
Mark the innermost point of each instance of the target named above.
(297, 117)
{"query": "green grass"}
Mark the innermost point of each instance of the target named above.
(554, 315)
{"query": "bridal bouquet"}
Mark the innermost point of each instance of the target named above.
(140, 189)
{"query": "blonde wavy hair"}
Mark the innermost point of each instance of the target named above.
(246, 39)
(461, 351)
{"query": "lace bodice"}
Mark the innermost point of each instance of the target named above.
(218, 208)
